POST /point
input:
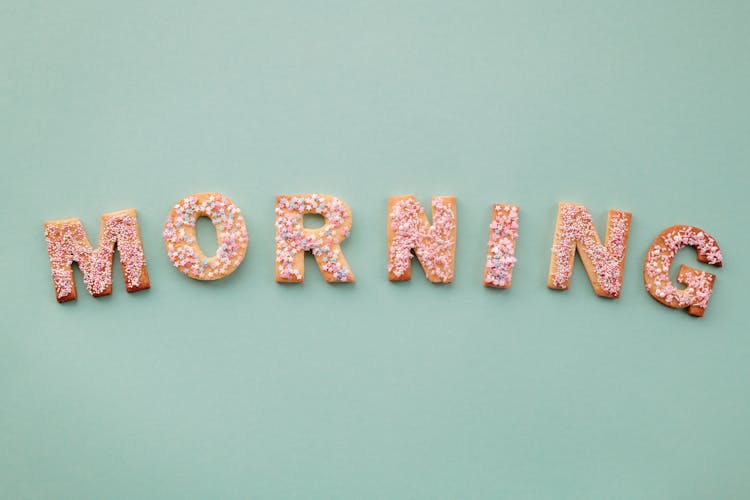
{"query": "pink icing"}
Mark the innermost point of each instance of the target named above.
(433, 244)
(501, 246)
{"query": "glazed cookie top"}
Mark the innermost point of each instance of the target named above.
(180, 238)
(433, 244)
(501, 245)
(659, 259)
(67, 242)
(292, 238)
(576, 225)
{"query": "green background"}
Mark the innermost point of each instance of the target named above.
(245, 388)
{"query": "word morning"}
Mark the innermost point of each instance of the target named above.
(409, 234)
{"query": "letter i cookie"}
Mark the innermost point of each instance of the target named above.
(501, 246)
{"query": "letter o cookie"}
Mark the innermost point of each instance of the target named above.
(181, 243)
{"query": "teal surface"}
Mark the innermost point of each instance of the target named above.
(245, 388)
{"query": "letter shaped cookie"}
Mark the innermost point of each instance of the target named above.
(182, 245)
(410, 231)
(604, 264)
(699, 284)
(293, 239)
(67, 242)
(501, 246)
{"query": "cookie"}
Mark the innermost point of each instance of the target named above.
(293, 239)
(501, 246)
(67, 242)
(411, 234)
(604, 264)
(699, 284)
(181, 243)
